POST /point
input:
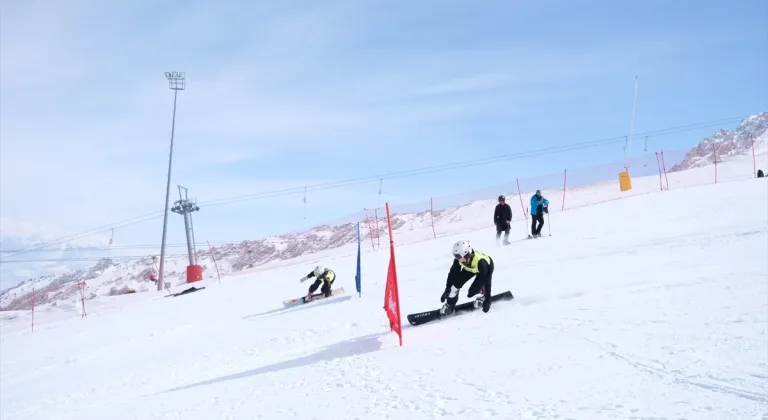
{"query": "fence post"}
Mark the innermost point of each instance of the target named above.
(658, 165)
(754, 164)
(565, 177)
(33, 309)
(213, 257)
(81, 285)
(376, 216)
(370, 228)
(714, 155)
(520, 195)
(664, 166)
(432, 216)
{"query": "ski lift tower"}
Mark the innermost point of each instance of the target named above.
(185, 207)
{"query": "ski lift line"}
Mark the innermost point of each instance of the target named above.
(427, 170)
(100, 248)
(394, 175)
(84, 259)
(402, 174)
(90, 232)
(415, 172)
(397, 175)
(455, 165)
(128, 247)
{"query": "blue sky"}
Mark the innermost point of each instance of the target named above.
(287, 94)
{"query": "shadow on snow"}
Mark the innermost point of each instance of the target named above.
(353, 347)
(309, 305)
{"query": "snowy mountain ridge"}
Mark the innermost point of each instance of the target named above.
(111, 277)
(727, 143)
(39, 242)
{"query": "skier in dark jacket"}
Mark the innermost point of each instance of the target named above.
(539, 206)
(468, 263)
(325, 276)
(502, 217)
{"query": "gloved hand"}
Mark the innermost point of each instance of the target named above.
(303, 279)
(487, 304)
(445, 294)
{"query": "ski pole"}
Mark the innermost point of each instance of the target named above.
(549, 225)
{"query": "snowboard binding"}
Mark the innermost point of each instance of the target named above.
(447, 308)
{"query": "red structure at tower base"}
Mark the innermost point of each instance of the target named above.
(194, 273)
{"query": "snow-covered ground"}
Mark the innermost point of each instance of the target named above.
(455, 214)
(651, 306)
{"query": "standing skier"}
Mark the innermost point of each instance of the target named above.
(502, 217)
(539, 206)
(325, 276)
(468, 263)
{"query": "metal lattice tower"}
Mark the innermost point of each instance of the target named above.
(184, 206)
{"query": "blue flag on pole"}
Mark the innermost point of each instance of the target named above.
(357, 275)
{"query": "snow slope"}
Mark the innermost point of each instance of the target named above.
(652, 306)
(412, 222)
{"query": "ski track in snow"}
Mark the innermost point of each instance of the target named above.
(652, 307)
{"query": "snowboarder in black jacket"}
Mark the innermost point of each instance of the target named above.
(502, 217)
(468, 263)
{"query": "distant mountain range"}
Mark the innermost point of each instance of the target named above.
(49, 258)
(726, 143)
(111, 277)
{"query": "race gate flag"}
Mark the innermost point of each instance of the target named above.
(391, 295)
(357, 275)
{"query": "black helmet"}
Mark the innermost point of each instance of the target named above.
(502, 198)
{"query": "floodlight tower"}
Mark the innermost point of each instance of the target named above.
(176, 82)
(628, 144)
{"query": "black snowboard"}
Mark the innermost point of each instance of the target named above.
(424, 317)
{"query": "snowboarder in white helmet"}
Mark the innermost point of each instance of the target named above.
(468, 263)
(325, 276)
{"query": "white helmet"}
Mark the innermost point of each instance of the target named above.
(319, 270)
(461, 249)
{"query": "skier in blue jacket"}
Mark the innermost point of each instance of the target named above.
(539, 206)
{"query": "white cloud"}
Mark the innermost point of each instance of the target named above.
(34, 233)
